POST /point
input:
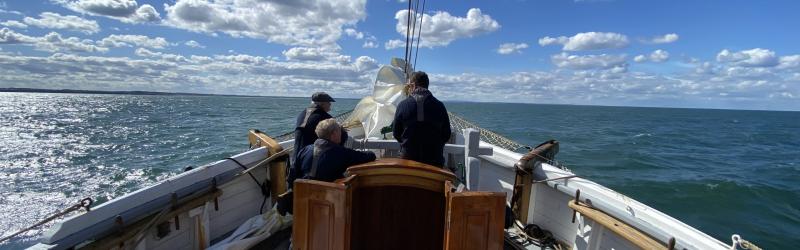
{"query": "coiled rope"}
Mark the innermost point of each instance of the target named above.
(83, 203)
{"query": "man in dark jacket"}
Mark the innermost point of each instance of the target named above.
(327, 159)
(308, 119)
(421, 124)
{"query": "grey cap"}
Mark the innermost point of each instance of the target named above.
(322, 97)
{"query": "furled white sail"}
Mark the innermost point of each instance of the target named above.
(377, 111)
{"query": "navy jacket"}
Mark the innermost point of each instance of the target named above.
(304, 128)
(422, 136)
(333, 161)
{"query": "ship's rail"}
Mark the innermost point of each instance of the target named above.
(458, 124)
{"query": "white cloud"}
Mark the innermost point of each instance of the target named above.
(50, 20)
(442, 28)
(666, 38)
(194, 44)
(640, 58)
(303, 23)
(587, 62)
(219, 74)
(14, 24)
(128, 11)
(749, 58)
(365, 63)
(587, 41)
(52, 42)
(394, 43)
(509, 48)
(792, 61)
(659, 56)
(369, 45)
(164, 56)
(354, 34)
(315, 54)
(134, 40)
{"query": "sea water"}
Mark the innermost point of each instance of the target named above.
(720, 171)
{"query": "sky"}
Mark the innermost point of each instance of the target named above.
(731, 54)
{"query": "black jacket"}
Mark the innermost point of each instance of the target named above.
(422, 137)
(304, 128)
(333, 160)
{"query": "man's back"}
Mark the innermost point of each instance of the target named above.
(307, 121)
(332, 159)
(422, 130)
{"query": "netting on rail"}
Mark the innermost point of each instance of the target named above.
(457, 123)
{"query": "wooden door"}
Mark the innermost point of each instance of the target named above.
(321, 215)
(475, 220)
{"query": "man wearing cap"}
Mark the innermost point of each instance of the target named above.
(308, 119)
(421, 124)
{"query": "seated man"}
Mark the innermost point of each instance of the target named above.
(327, 159)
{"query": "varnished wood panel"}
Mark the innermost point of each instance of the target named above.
(397, 217)
(475, 220)
(321, 215)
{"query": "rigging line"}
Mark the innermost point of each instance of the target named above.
(421, 17)
(413, 31)
(408, 23)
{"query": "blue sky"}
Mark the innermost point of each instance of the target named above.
(707, 54)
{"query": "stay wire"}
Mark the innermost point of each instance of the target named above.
(408, 23)
(419, 36)
(413, 32)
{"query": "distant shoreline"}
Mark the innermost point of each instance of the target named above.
(110, 92)
(156, 93)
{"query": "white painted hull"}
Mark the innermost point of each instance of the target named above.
(241, 199)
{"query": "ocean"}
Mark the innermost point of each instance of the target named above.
(720, 171)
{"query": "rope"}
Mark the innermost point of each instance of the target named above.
(413, 31)
(83, 203)
(738, 241)
(261, 186)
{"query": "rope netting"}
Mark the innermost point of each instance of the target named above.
(457, 123)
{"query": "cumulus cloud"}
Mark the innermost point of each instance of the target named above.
(757, 57)
(509, 48)
(442, 28)
(666, 38)
(394, 43)
(157, 71)
(587, 62)
(52, 42)
(587, 41)
(134, 40)
(194, 44)
(369, 45)
(303, 23)
(656, 56)
(128, 11)
(315, 54)
(14, 24)
(50, 20)
(659, 56)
